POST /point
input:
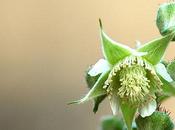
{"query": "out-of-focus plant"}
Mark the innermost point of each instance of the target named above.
(157, 121)
(135, 81)
(165, 18)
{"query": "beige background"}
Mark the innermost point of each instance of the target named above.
(45, 47)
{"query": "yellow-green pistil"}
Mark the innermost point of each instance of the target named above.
(134, 83)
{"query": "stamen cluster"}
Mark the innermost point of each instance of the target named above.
(134, 82)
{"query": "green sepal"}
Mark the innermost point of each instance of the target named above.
(168, 90)
(171, 69)
(96, 91)
(128, 112)
(168, 87)
(162, 71)
(113, 51)
(91, 80)
(97, 102)
(165, 18)
(155, 49)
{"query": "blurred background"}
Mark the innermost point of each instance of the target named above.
(45, 47)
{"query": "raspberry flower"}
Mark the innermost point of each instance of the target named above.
(130, 78)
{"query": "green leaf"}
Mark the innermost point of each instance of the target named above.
(156, 49)
(113, 51)
(157, 121)
(171, 69)
(128, 112)
(112, 123)
(165, 18)
(96, 91)
(162, 71)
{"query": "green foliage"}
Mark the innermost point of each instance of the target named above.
(115, 77)
(103, 79)
(157, 121)
(96, 91)
(128, 112)
(165, 18)
(166, 73)
(112, 123)
(156, 48)
(171, 69)
(91, 80)
(113, 51)
(168, 87)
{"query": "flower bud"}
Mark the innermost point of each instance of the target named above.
(166, 18)
(157, 121)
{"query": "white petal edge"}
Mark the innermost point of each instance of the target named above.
(138, 44)
(136, 53)
(101, 66)
(114, 104)
(148, 109)
(162, 71)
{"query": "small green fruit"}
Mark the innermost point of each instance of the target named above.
(157, 121)
(165, 18)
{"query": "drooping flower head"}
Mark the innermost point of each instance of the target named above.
(130, 78)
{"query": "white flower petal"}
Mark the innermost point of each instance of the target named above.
(148, 109)
(114, 104)
(100, 67)
(138, 44)
(136, 53)
(162, 71)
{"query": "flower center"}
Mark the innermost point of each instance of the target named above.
(131, 79)
(134, 83)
